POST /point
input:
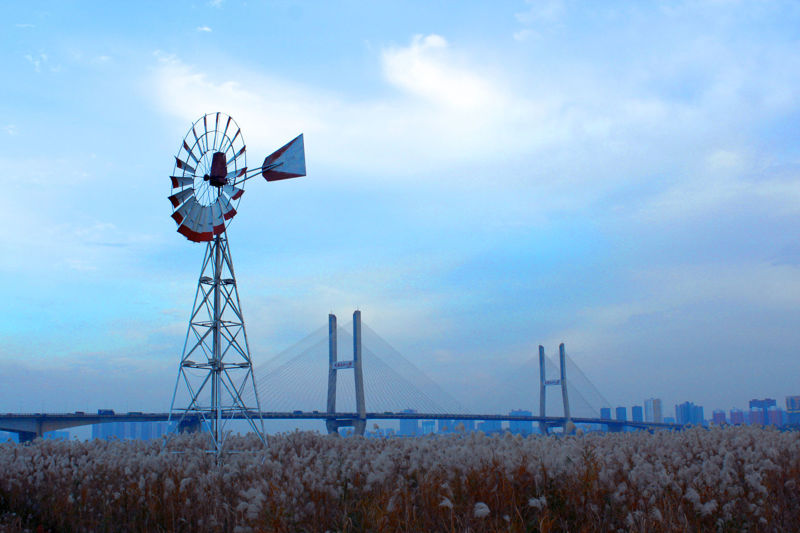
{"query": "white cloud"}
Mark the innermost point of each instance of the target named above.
(721, 179)
(525, 34)
(36, 61)
(588, 130)
(443, 110)
(426, 69)
(205, 29)
(542, 12)
(10, 129)
(61, 231)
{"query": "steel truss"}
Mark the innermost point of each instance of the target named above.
(216, 367)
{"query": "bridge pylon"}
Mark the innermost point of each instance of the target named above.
(544, 383)
(359, 423)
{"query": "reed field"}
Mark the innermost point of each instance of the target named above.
(717, 479)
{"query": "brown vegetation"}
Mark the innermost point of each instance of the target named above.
(730, 479)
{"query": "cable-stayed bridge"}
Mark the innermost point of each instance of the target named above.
(310, 381)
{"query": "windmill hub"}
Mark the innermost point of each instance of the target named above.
(219, 170)
(207, 184)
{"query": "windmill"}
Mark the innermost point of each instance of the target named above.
(207, 184)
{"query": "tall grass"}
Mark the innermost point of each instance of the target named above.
(729, 479)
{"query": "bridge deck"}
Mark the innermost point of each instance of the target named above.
(27, 424)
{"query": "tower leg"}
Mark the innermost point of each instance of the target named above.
(216, 363)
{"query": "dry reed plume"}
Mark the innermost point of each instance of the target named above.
(720, 479)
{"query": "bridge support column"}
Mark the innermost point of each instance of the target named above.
(562, 356)
(27, 436)
(542, 392)
(562, 382)
(189, 424)
(359, 423)
(330, 423)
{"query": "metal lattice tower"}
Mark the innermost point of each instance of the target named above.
(207, 184)
(544, 383)
(216, 367)
(359, 423)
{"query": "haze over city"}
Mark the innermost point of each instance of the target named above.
(482, 178)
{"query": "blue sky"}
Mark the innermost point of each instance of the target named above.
(482, 178)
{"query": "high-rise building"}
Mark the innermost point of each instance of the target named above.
(523, 427)
(653, 410)
(129, 430)
(689, 413)
(621, 414)
(637, 415)
(793, 409)
(776, 417)
(718, 417)
(468, 425)
(428, 427)
(490, 426)
(446, 426)
(409, 427)
(737, 417)
(762, 417)
(605, 413)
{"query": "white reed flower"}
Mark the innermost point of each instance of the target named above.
(481, 510)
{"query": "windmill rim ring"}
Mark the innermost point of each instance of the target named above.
(211, 132)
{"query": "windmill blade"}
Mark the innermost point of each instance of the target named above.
(228, 212)
(184, 165)
(181, 181)
(233, 174)
(217, 220)
(179, 197)
(288, 161)
(240, 152)
(216, 129)
(183, 211)
(196, 138)
(234, 192)
(205, 133)
(230, 143)
(189, 226)
(204, 228)
(193, 215)
(188, 233)
(225, 132)
(189, 151)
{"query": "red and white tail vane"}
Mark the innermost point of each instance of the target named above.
(288, 161)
